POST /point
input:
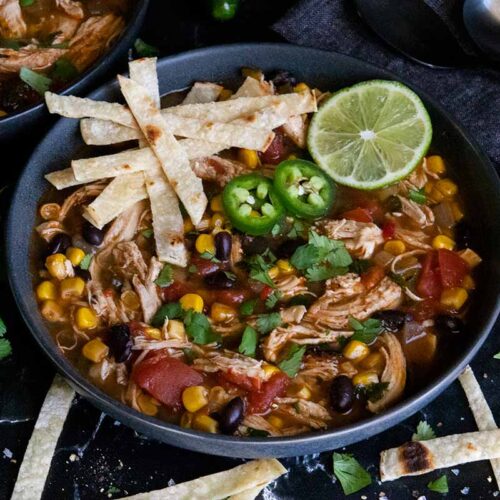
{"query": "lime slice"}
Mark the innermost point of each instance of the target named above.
(371, 134)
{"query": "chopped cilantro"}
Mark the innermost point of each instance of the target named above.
(248, 345)
(85, 263)
(5, 347)
(424, 432)
(291, 364)
(298, 229)
(352, 476)
(3, 328)
(144, 49)
(259, 266)
(273, 298)
(247, 308)
(166, 276)
(440, 485)
(209, 256)
(26, 3)
(366, 331)
(417, 195)
(497, 355)
(268, 322)
(147, 233)
(198, 328)
(230, 275)
(257, 432)
(190, 355)
(63, 70)
(360, 266)
(192, 269)
(373, 392)
(36, 81)
(172, 310)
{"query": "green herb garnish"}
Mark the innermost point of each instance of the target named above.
(5, 346)
(259, 266)
(35, 80)
(166, 276)
(497, 355)
(360, 266)
(63, 70)
(209, 256)
(257, 432)
(248, 344)
(147, 233)
(247, 308)
(440, 485)
(273, 299)
(268, 322)
(85, 263)
(352, 476)
(26, 3)
(199, 329)
(144, 49)
(291, 364)
(366, 331)
(418, 196)
(172, 310)
(373, 392)
(424, 432)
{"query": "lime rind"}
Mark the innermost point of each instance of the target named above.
(371, 134)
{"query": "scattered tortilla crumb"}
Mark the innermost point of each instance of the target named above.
(489, 479)
(485, 375)
(7, 453)
(439, 424)
(74, 457)
(455, 471)
(465, 490)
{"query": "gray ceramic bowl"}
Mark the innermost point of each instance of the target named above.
(22, 122)
(477, 178)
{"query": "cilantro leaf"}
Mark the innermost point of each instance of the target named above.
(360, 266)
(147, 233)
(26, 3)
(268, 322)
(320, 273)
(352, 476)
(248, 344)
(3, 328)
(209, 256)
(440, 485)
(5, 348)
(373, 392)
(257, 432)
(172, 310)
(291, 364)
(199, 329)
(85, 262)
(259, 268)
(166, 276)
(418, 196)
(424, 432)
(192, 269)
(273, 299)
(247, 308)
(144, 49)
(298, 229)
(63, 70)
(305, 256)
(497, 355)
(366, 331)
(190, 355)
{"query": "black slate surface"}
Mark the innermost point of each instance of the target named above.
(97, 457)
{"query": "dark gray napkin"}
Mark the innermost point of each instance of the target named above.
(472, 95)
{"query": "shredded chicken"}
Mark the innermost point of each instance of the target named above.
(142, 343)
(80, 196)
(147, 290)
(102, 370)
(417, 179)
(218, 170)
(93, 38)
(413, 238)
(304, 412)
(71, 8)
(421, 214)
(293, 314)
(128, 261)
(360, 238)
(12, 24)
(322, 366)
(107, 305)
(33, 57)
(47, 230)
(394, 373)
(126, 225)
(291, 286)
(236, 250)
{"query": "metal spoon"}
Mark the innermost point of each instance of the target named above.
(482, 20)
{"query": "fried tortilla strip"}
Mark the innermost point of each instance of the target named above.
(226, 484)
(62, 179)
(171, 155)
(419, 457)
(96, 132)
(38, 456)
(253, 88)
(119, 195)
(480, 409)
(143, 71)
(203, 92)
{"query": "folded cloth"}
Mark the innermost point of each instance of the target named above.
(471, 94)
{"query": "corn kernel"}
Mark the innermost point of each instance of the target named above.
(205, 243)
(130, 300)
(72, 287)
(454, 298)
(222, 313)
(46, 290)
(395, 247)
(52, 311)
(217, 221)
(147, 405)
(442, 241)
(205, 423)
(457, 211)
(436, 195)
(225, 94)
(253, 73)
(365, 378)
(471, 257)
(188, 226)
(446, 187)
(291, 157)
(469, 283)
(348, 368)
(58, 265)
(276, 422)
(191, 301)
(270, 370)
(374, 362)
(429, 186)
(95, 350)
(186, 420)
(274, 272)
(303, 392)
(249, 157)
(176, 330)
(356, 350)
(436, 164)
(285, 267)
(75, 255)
(194, 398)
(216, 204)
(301, 87)
(154, 333)
(86, 319)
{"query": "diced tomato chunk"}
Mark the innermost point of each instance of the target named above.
(260, 401)
(165, 378)
(372, 277)
(241, 380)
(452, 268)
(389, 230)
(374, 209)
(358, 214)
(174, 292)
(276, 151)
(429, 281)
(265, 292)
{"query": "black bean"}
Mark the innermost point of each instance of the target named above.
(220, 279)
(283, 77)
(288, 247)
(83, 273)
(120, 343)
(223, 245)
(462, 235)
(232, 415)
(92, 234)
(254, 245)
(59, 243)
(448, 324)
(342, 394)
(391, 320)
(393, 204)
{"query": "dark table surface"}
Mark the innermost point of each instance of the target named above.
(97, 457)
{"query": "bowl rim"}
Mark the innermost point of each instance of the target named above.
(136, 16)
(250, 446)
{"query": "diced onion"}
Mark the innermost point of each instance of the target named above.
(444, 215)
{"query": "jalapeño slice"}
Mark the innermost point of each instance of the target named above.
(251, 204)
(305, 190)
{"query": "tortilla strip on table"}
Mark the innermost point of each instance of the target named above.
(171, 155)
(480, 409)
(419, 457)
(119, 195)
(227, 484)
(203, 92)
(38, 456)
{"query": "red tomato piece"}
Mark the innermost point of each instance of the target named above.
(276, 151)
(429, 281)
(452, 268)
(174, 292)
(165, 378)
(374, 209)
(265, 292)
(372, 277)
(389, 230)
(358, 214)
(260, 401)
(241, 380)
